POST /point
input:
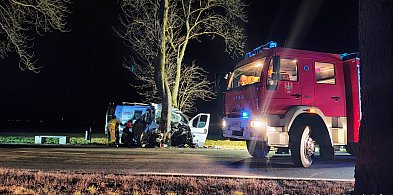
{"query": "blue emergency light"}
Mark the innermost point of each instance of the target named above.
(272, 44)
(346, 56)
(245, 115)
(260, 49)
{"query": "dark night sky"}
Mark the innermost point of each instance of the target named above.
(82, 68)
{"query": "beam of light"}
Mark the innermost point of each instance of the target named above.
(306, 15)
(301, 23)
(257, 123)
(266, 103)
(258, 65)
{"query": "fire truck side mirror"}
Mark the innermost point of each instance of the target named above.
(227, 75)
(275, 76)
(276, 64)
(221, 82)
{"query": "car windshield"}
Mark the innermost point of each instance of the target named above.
(175, 116)
(247, 74)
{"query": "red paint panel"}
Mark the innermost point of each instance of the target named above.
(330, 98)
(307, 82)
(352, 95)
(242, 99)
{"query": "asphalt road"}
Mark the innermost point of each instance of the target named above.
(170, 161)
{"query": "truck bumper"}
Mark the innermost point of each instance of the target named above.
(240, 128)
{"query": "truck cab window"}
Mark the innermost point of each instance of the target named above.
(324, 73)
(247, 74)
(288, 72)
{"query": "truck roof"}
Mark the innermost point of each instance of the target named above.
(320, 56)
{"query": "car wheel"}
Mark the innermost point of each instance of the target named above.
(144, 140)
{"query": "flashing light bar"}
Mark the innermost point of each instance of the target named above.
(260, 49)
(346, 56)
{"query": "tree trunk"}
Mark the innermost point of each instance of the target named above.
(161, 73)
(374, 165)
(166, 126)
(176, 86)
(179, 61)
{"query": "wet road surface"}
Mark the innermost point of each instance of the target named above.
(170, 160)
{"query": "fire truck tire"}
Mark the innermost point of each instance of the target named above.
(327, 152)
(303, 146)
(352, 148)
(257, 149)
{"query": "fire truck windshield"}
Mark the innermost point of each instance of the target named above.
(247, 74)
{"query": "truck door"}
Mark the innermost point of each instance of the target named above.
(307, 82)
(329, 88)
(286, 91)
(199, 126)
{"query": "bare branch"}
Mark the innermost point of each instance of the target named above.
(18, 17)
(194, 85)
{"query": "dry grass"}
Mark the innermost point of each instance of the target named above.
(29, 182)
(227, 144)
(30, 140)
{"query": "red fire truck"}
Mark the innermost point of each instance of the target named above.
(294, 99)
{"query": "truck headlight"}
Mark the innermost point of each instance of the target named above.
(257, 123)
(224, 123)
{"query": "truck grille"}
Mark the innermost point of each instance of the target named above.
(237, 133)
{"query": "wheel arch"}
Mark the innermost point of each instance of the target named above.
(310, 116)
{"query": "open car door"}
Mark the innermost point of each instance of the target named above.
(199, 126)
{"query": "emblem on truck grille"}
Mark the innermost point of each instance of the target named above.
(238, 97)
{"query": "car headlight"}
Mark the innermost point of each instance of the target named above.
(257, 123)
(224, 123)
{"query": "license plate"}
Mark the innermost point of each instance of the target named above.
(235, 124)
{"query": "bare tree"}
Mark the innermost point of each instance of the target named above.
(159, 31)
(187, 20)
(145, 25)
(373, 172)
(191, 19)
(18, 18)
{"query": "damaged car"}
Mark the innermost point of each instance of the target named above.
(143, 126)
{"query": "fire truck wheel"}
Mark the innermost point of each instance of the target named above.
(327, 152)
(303, 148)
(352, 148)
(257, 148)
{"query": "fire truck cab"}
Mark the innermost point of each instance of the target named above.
(296, 99)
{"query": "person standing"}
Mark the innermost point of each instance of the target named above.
(113, 131)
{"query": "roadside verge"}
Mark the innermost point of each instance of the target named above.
(37, 182)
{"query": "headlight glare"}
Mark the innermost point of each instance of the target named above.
(257, 123)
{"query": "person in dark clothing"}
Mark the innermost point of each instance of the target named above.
(127, 137)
